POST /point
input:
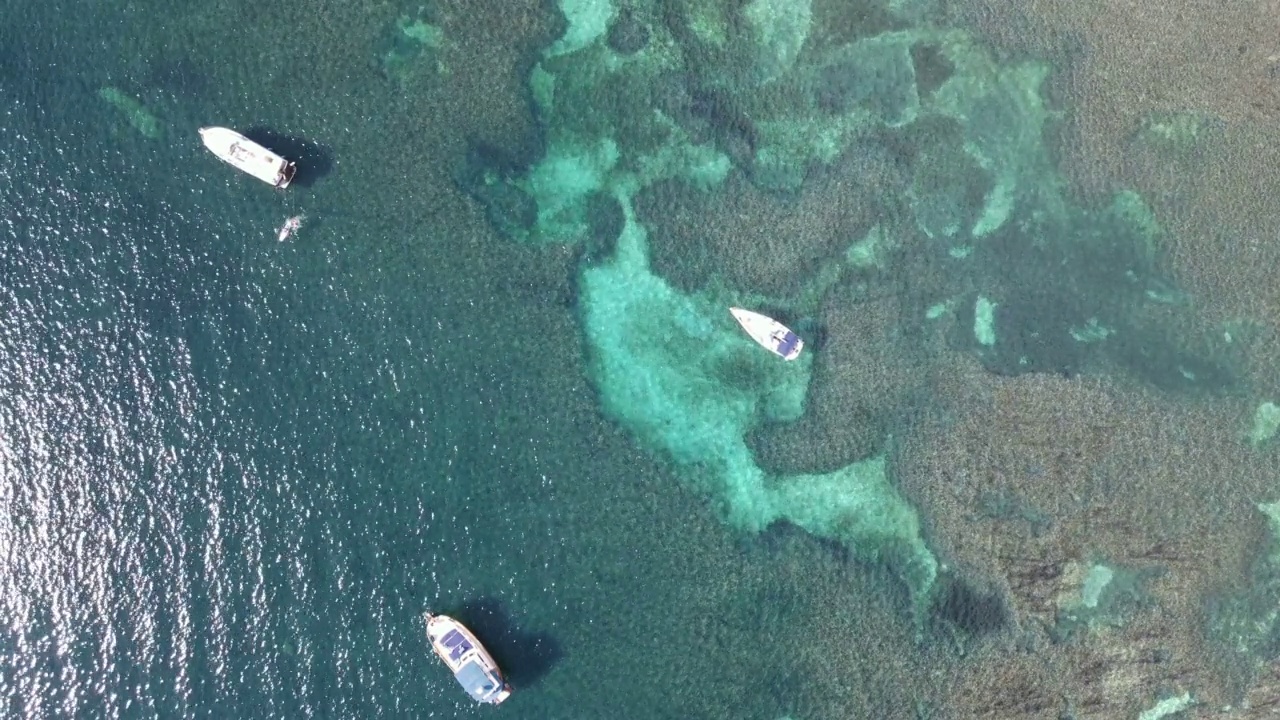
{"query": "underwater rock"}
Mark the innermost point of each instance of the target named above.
(1266, 421)
(1169, 361)
(984, 321)
(138, 116)
(562, 182)
(586, 21)
(1178, 134)
(947, 186)
(488, 175)
(731, 129)
(780, 28)
(406, 43)
(969, 608)
(1097, 594)
(1026, 331)
(932, 68)
(1171, 705)
(1002, 113)
(627, 35)
(877, 74)
(606, 219)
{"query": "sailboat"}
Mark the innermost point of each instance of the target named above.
(770, 333)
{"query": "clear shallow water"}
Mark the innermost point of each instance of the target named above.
(235, 472)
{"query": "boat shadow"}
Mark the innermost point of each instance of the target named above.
(313, 159)
(525, 658)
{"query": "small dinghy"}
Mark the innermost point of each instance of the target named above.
(770, 333)
(241, 152)
(471, 664)
(291, 226)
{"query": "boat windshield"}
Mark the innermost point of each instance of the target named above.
(477, 681)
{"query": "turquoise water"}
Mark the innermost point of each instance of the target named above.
(494, 374)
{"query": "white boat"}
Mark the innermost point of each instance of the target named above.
(471, 664)
(291, 226)
(770, 333)
(247, 155)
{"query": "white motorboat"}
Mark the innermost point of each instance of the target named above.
(770, 333)
(469, 661)
(241, 152)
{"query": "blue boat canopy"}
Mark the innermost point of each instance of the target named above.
(478, 683)
(457, 644)
(788, 343)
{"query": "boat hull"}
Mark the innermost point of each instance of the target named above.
(472, 665)
(244, 154)
(769, 333)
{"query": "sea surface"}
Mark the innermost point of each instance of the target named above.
(234, 472)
